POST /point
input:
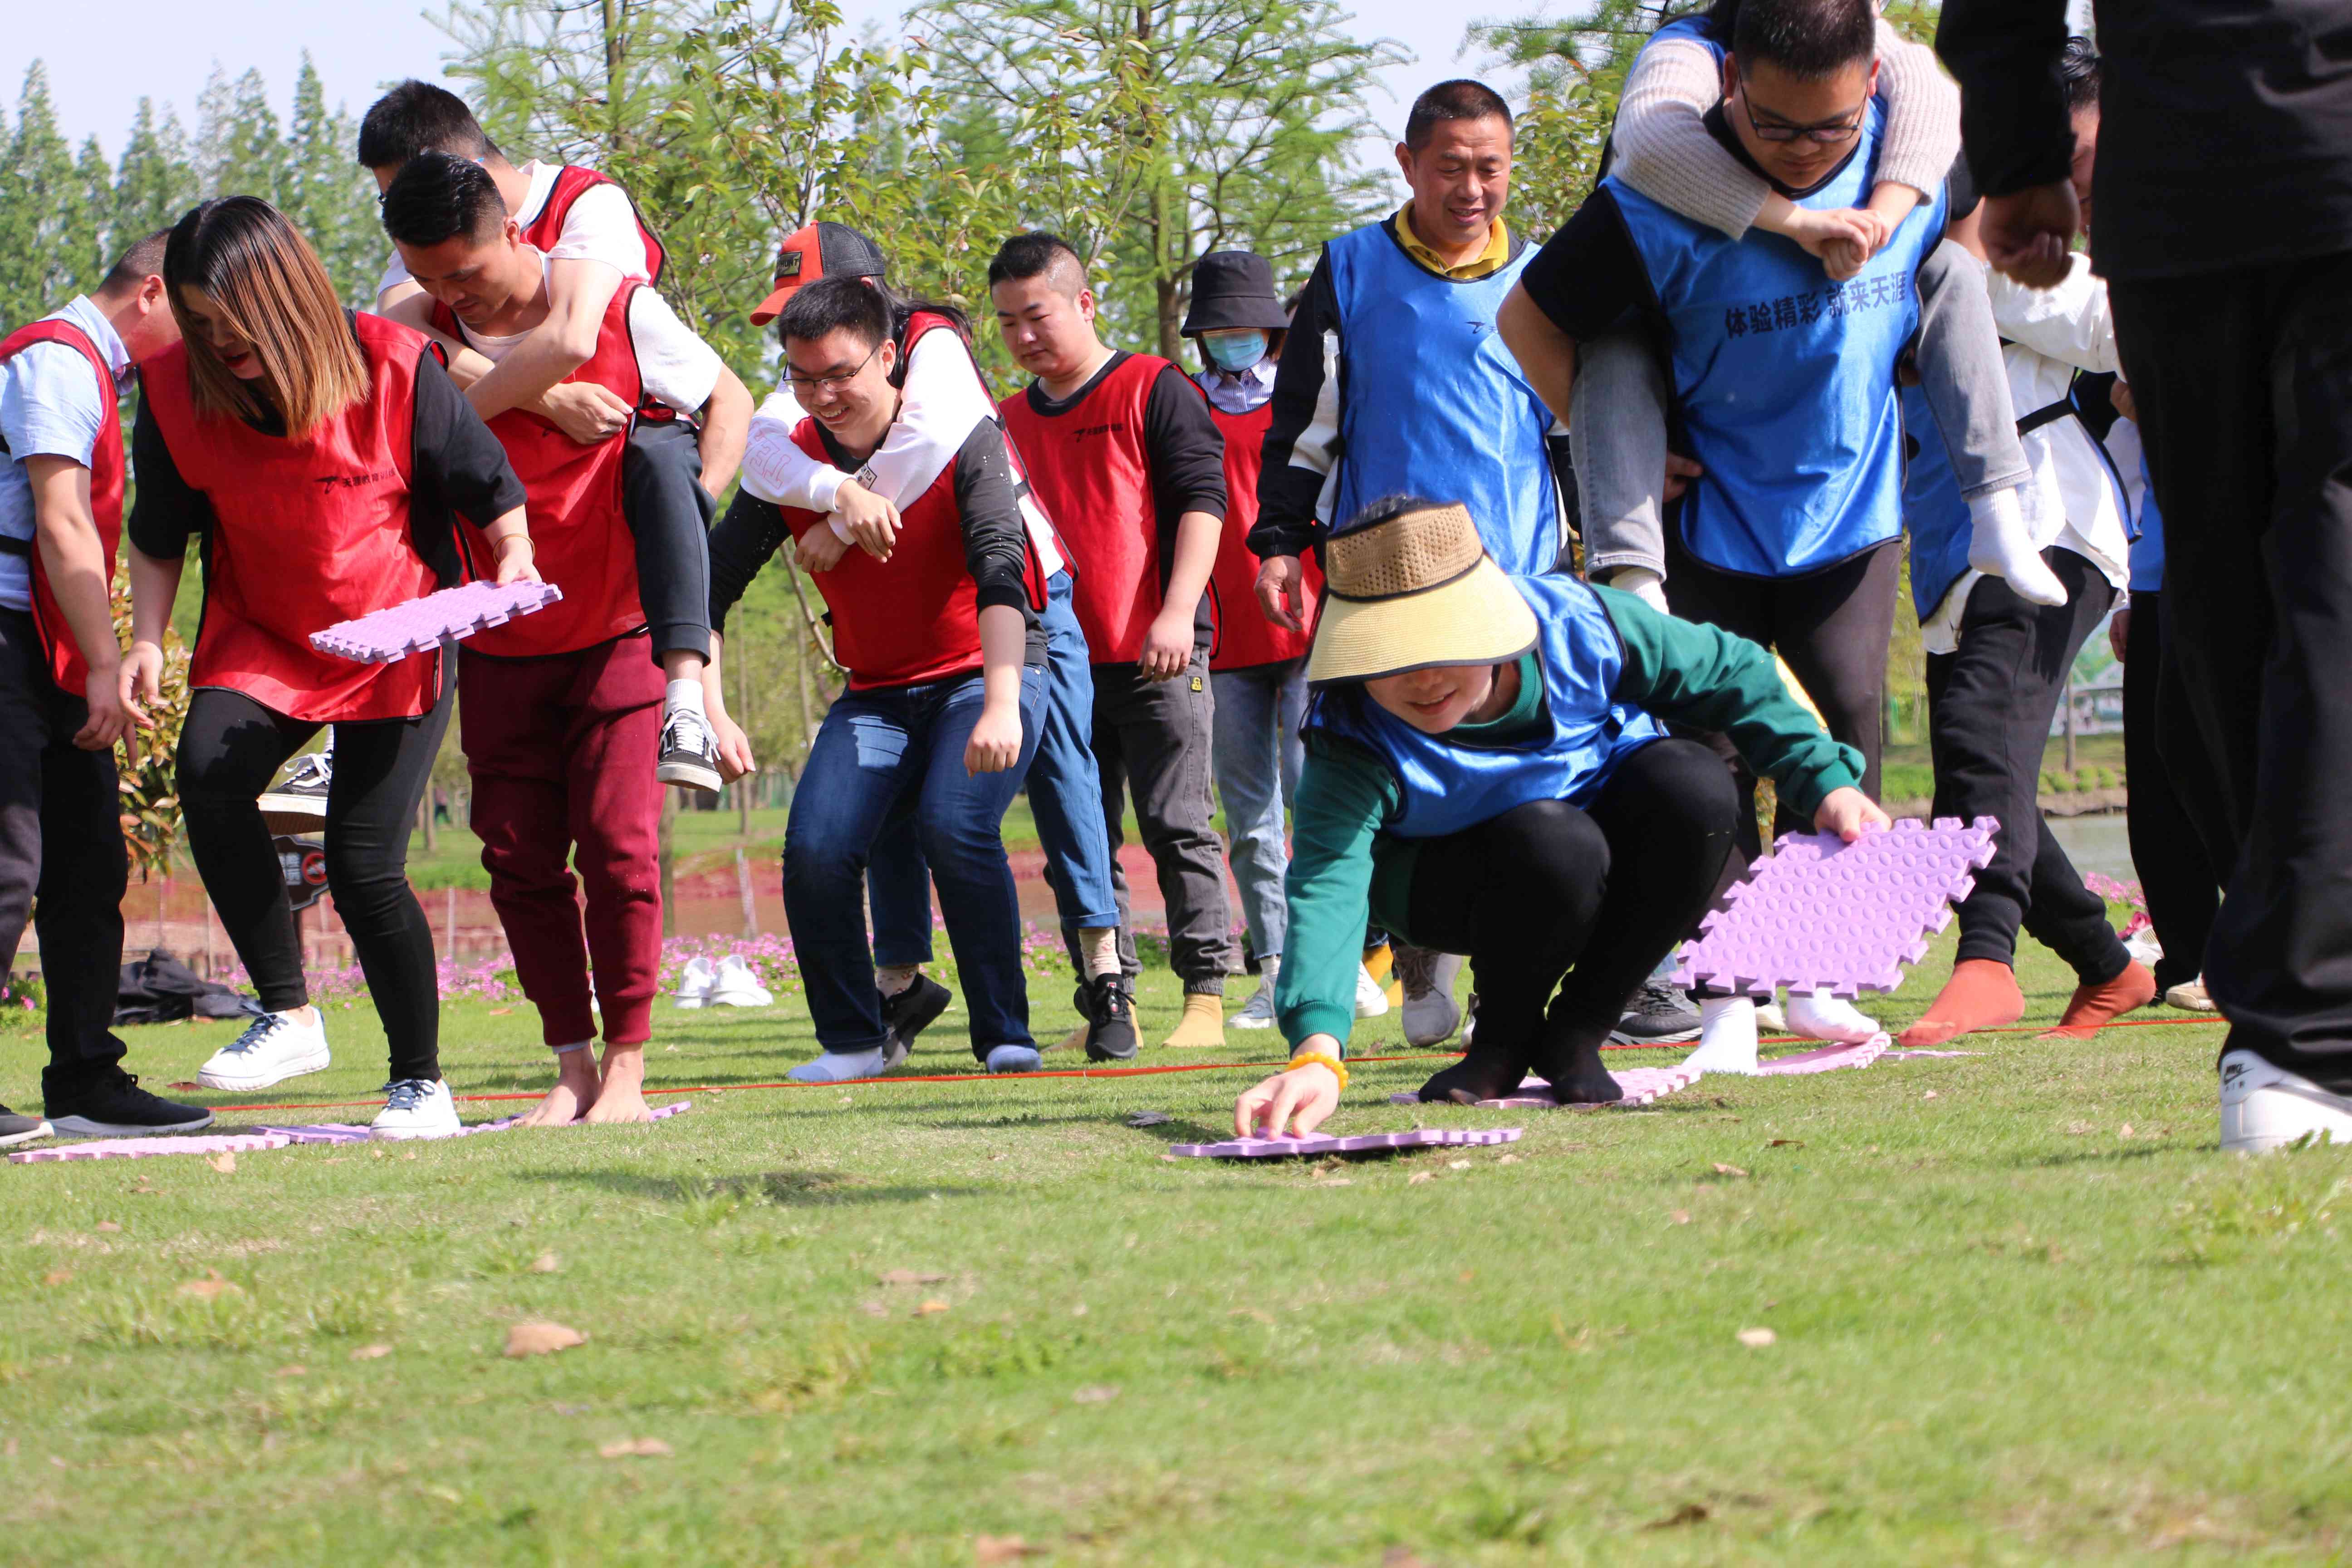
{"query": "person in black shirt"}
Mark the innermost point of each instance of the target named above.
(2225, 233)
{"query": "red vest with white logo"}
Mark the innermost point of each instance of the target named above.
(579, 536)
(570, 181)
(306, 533)
(919, 325)
(1089, 465)
(915, 618)
(1244, 637)
(67, 666)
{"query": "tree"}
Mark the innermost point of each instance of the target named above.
(39, 209)
(153, 181)
(325, 192)
(1201, 124)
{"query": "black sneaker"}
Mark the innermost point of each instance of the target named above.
(688, 754)
(1108, 1009)
(909, 1013)
(119, 1108)
(16, 1129)
(298, 803)
(1659, 1015)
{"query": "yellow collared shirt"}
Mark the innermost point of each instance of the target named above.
(1497, 251)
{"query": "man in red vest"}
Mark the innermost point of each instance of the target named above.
(596, 244)
(1122, 450)
(561, 708)
(61, 703)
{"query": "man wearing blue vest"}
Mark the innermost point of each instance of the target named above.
(1782, 379)
(1395, 383)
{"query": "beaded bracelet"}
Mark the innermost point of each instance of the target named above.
(1339, 1069)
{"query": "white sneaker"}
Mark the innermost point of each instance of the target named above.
(1431, 1014)
(734, 985)
(1257, 1013)
(694, 986)
(1771, 1020)
(1371, 1000)
(273, 1048)
(2144, 948)
(2191, 996)
(2265, 1107)
(414, 1108)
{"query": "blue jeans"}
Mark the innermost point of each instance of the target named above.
(893, 761)
(1065, 798)
(1255, 753)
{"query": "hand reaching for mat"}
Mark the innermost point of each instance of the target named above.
(1305, 1098)
(1850, 814)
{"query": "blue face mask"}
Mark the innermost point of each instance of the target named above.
(1233, 350)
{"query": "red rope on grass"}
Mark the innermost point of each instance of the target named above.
(1119, 1072)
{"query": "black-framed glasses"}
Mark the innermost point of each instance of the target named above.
(1827, 134)
(840, 378)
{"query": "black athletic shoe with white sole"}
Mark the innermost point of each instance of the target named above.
(298, 803)
(688, 754)
(1108, 1009)
(119, 1108)
(1659, 1015)
(909, 1013)
(16, 1129)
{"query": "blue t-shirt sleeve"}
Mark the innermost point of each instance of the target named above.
(50, 404)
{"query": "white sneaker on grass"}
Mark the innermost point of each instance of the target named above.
(416, 1108)
(1257, 1013)
(273, 1048)
(734, 985)
(1371, 997)
(2265, 1107)
(694, 986)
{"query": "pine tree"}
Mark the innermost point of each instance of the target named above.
(88, 229)
(153, 184)
(327, 195)
(39, 208)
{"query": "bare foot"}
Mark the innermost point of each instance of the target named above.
(623, 1098)
(575, 1091)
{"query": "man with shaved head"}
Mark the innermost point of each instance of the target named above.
(1122, 451)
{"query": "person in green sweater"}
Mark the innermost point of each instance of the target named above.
(1487, 772)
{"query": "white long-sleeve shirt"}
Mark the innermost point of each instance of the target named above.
(941, 399)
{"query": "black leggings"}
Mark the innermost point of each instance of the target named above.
(1832, 627)
(230, 749)
(669, 513)
(1539, 893)
(2167, 848)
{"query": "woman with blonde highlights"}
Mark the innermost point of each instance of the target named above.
(318, 455)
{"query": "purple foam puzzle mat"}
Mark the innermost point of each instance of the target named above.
(1828, 1059)
(419, 625)
(1821, 914)
(140, 1148)
(257, 1138)
(1291, 1146)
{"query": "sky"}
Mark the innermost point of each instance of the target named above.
(164, 49)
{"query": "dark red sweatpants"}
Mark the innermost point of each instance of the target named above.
(562, 752)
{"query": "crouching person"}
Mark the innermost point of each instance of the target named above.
(946, 680)
(1487, 771)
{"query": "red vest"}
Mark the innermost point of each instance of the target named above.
(570, 181)
(1090, 466)
(910, 621)
(67, 666)
(306, 533)
(1244, 637)
(919, 325)
(579, 536)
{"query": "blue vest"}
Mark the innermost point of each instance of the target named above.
(2147, 544)
(1932, 509)
(1785, 380)
(1449, 786)
(1433, 404)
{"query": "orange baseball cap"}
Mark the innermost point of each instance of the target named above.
(819, 250)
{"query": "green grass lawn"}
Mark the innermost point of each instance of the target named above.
(2024, 1312)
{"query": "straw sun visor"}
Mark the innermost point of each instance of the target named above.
(1412, 592)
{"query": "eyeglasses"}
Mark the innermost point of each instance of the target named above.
(838, 379)
(1827, 135)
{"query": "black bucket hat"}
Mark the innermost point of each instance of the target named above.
(1233, 289)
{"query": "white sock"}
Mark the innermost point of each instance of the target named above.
(683, 697)
(1100, 946)
(1821, 1017)
(892, 978)
(2000, 546)
(839, 1067)
(567, 1050)
(1726, 1036)
(1268, 970)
